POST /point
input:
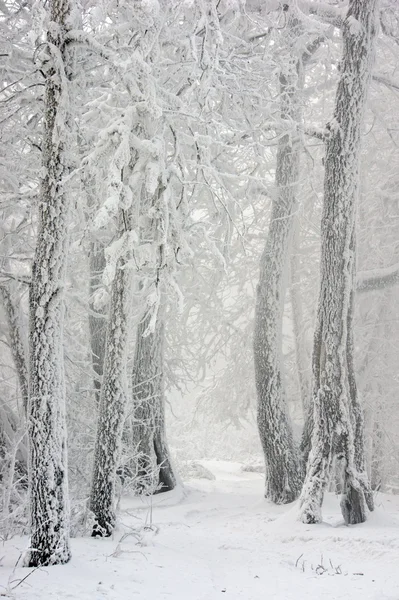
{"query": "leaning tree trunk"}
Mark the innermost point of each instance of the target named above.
(283, 478)
(153, 465)
(113, 396)
(48, 477)
(338, 430)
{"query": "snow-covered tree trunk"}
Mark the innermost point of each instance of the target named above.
(281, 457)
(13, 441)
(48, 476)
(97, 316)
(301, 351)
(149, 436)
(377, 476)
(113, 393)
(16, 342)
(338, 422)
(11, 427)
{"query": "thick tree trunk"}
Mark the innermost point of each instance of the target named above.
(48, 476)
(338, 422)
(112, 398)
(283, 479)
(153, 471)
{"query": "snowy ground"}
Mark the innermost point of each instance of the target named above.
(222, 538)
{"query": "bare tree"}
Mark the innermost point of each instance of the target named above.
(149, 436)
(338, 430)
(48, 477)
(283, 479)
(97, 315)
(113, 392)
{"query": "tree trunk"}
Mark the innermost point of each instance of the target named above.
(112, 398)
(17, 346)
(283, 478)
(153, 470)
(97, 316)
(298, 322)
(13, 441)
(48, 476)
(338, 422)
(11, 427)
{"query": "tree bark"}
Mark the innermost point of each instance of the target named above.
(48, 476)
(113, 396)
(97, 317)
(12, 426)
(153, 471)
(338, 421)
(17, 346)
(283, 478)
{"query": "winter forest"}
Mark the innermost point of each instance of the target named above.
(199, 279)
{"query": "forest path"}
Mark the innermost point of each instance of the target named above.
(221, 539)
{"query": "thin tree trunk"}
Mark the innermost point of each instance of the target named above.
(301, 355)
(113, 397)
(17, 346)
(283, 478)
(338, 422)
(48, 475)
(97, 316)
(298, 321)
(378, 456)
(149, 436)
(12, 427)
(11, 435)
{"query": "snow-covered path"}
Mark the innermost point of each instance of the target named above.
(222, 539)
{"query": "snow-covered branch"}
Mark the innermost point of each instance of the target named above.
(378, 279)
(328, 14)
(316, 132)
(387, 81)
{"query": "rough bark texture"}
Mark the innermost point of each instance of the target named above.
(112, 399)
(48, 479)
(149, 437)
(282, 466)
(338, 422)
(97, 317)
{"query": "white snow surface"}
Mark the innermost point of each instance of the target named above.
(221, 539)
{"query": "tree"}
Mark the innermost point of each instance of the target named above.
(338, 421)
(113, 392)
(48, 477)
(148, 424)
(282, 468)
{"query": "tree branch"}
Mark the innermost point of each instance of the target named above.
(378, 279)
(329, 15)
(387, 81)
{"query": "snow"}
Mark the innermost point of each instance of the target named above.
(221, 537)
